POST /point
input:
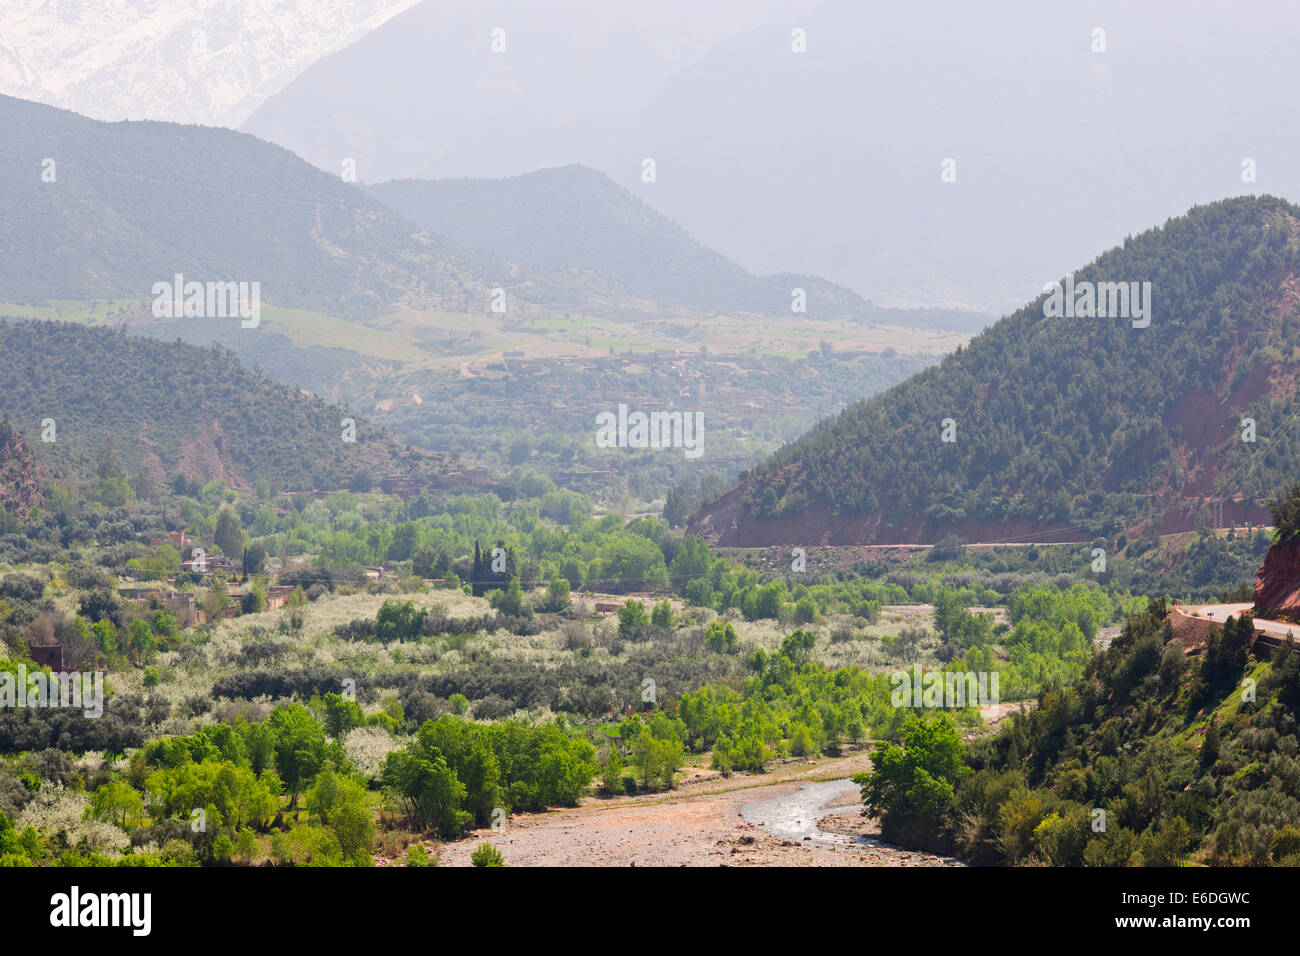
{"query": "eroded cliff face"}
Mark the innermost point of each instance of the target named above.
(21, 474)
(1277, 586)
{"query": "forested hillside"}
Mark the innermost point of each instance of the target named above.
(99, 210)
(1070, 427)
(1153, 758)
(123, 406)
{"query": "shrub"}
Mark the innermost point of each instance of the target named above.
(485, 854)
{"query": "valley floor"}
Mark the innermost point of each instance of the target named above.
(701, 823)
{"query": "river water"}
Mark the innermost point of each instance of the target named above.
(794, 816)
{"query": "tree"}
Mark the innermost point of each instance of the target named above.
(141, 643)
(798, 646)
(469, 755)
(520, 448)
(299, 747)
(165, 560)
(429, 563)
(119, 803)
(341, 804)
(662, 615)
(106, 637)
(478, 577)
(254, 559)
(632, 617)
(557, 593)
(254, 602)
(406, 537)
(229, 534)
(428, 787)
(911, 787)
(1165, 843)
(106, 466)
(720, 637)
(611, 777)
(1210, 745)
(656, 760)
(341, 715)
(101, 604)
(511, 601)
(1286, 514)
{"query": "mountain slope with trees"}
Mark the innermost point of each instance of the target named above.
(1152, 758)
(572, 216)
(105, 210)
(123, 408)
(1067, 428)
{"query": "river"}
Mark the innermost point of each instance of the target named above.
(795, 816)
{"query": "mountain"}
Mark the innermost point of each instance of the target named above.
(170, 408)
(575, 217)
(426, 95)
(829, 162)
(1158, 746)
(188, 61)
(126, 205)
(1065, 428)
(832, 161)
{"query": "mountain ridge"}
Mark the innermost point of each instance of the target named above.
(169, 408)
(1083, 427)
(574, 216)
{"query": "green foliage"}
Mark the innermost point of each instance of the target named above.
(662, 616)
(417, 855)
(632, 617)
(299, 746)
(1286, 514)
(911, 786)
(457, 772)
(720, 637)
(611, 773)
(429, 789)
(557, 593)
(149, 415)
(510, 601)
(485, 854)
(1059, 419)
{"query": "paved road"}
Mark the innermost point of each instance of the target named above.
(1221, 612)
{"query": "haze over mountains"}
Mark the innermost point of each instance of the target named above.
(829, 162)
(1054, 428)
(426, 95)
(105, 210)
(574, 217)
(361, 305)
(385, 291)
(130, 204)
